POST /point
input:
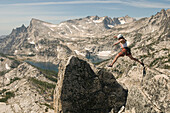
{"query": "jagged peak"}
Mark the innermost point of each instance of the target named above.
(106, 17)
(34, 21)
(168, 12)
(19, 30)
(23, 26)
(127, 16)
(163, 10)
(95, 17)
(162, 13)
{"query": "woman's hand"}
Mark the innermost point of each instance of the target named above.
(115, 36)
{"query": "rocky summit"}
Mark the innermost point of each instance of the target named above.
(81, 90)
(84, 83)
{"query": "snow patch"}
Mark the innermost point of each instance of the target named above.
(49, 33)
(69, 29)
(153, 30)
(84, 27)
(32, 42)
(76, 27)
(97, 21)
(61, 24)
(79, 53)
(68, 43)
(73, 38)
(16, 51)
(30, 53)
(86, 48)
(111, 26)
(52, 29)
(104, 53)
(122, 21)
(36, 48)
(51, 26)
(7, 67)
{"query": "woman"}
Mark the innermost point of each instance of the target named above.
(125, 50)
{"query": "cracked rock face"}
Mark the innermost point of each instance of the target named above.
(81, 90)
(152, 97)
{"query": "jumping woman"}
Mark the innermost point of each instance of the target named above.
(125, 50)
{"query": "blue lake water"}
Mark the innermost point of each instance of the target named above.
(44, 65)
(95, 59)
(53, 67)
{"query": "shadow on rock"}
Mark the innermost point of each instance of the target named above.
(80, 90)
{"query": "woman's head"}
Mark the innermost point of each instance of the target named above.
(120, 36)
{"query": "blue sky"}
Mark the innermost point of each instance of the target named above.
(14, 13)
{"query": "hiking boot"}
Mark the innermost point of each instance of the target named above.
(142, 64)
(109, 65)
(144, 71)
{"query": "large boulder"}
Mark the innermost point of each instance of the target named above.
(81, 90)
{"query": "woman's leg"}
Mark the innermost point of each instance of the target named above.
(131, 57)
(115, 59)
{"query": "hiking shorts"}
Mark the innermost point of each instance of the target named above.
(125, 51)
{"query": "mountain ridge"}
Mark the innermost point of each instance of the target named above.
(91, 38)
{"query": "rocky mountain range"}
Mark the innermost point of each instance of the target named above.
(84, 82)
(45, 40)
